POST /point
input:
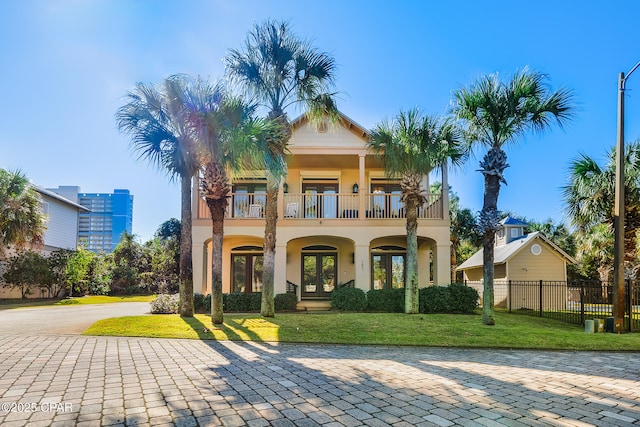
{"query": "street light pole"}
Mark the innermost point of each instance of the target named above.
(619, 206)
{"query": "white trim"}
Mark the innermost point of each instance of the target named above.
(320, 174)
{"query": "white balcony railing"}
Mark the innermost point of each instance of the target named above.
(250, 206)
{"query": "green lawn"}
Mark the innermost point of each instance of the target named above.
(92, 299)
(439, 330)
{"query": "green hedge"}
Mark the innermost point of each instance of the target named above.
(455, 298)
(241, 302)
(285, 302)
(349, 299)
(386, 300)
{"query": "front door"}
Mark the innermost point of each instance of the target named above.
(318, 275)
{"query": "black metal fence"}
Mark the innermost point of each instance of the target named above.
(572, 302)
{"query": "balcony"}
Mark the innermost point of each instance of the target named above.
(250, 207)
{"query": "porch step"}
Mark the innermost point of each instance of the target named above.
(314, 306)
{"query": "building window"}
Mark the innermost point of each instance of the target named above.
(246, 194)
(319, 271)
(388, 267)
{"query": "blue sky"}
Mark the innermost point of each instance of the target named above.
(68, 63)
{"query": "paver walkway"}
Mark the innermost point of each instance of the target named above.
(100, 381)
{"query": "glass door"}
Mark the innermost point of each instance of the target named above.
(318, 275)
(387, 270)
(247, 272)
(320, 199)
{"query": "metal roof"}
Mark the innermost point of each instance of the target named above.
(503, 253)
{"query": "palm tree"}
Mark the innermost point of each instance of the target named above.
(410, 146)
(229, 135)
(153, 116)
(22, 222)
(590, 195)
(276, 70)
(496, 113)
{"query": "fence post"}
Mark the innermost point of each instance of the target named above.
(582, 302)
(509, 296)
(629, 304)
(540, 296)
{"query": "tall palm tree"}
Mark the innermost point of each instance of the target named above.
(410, 146)
(496, 113)
(22, 222)
(590, 195)
(277, 70)
(153, 116)
(229, 136)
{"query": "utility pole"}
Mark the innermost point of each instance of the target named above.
(619, 206)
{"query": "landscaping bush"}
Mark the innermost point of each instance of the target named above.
(285, 302)
(386, 300)
(349, 299)
(165, 304)
(434, 299)
(464, 299)
(455, 298)
(242, 302)
(202, 303)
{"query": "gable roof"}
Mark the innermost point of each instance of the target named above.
(347, 122)
(512, 221)
(56, 196)
(504, 253)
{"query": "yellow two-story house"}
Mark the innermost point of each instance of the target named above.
(340, 222)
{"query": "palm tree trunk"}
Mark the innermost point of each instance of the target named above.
(185, 280)
(267, 308)
(411, 302)
(492, 167)
(217, 208)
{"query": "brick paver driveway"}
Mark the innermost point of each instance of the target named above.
(77, 380)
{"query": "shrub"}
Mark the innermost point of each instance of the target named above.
(349, 299)
(165, 304)
(386, 300)
(464, 299)
(201, 303)
(434, 299)
(242, 302)
(285, 302)
(455, 298)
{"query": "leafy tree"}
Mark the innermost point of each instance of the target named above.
(589, 198)
(26, 270)
(496, 113)
(464, 233)
(21, 219)
(277, 69)
(153, 117)
(410, 146)
(129, 261)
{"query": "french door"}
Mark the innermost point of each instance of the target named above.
(320, 199)
(246, 272)
(319, 272)
(388, 270)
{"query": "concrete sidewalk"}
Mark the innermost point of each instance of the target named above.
(100, 381)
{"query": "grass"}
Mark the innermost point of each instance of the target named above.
(438, 330)
(91, 299)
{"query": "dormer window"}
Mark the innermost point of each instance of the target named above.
(515, 232)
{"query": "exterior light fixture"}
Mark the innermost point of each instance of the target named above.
(285, 187)
(355, 188)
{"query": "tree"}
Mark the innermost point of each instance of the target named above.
(25, 270)
(229, 135)
(410, 146)
(589, 198)
(129, 262)
(22, 222)
(153, 117)
(495, 113)
(463, 232)
(276, 70)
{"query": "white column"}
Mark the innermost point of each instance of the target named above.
(280, 273)
(363, 190)
(362, 267)
(445, 191)
(442, 264)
